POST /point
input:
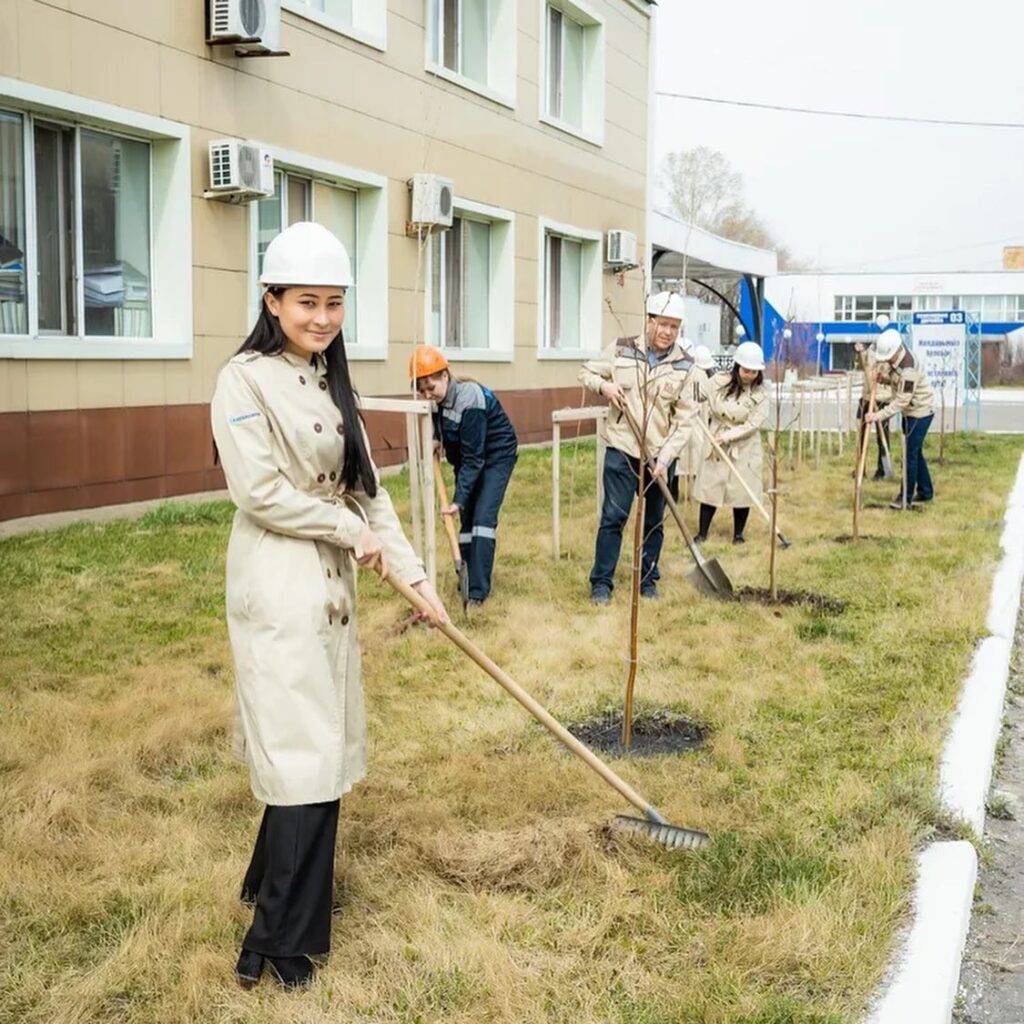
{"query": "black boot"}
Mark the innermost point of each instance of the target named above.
(249, 968)
(292, 971)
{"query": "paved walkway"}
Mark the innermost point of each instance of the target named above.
(992, 977)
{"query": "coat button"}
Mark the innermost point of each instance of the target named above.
(340, 429)
(302, 380)
(317, 427)
(330, 619)
(320, 478)
(332, 475)
(323, 385)
(344, 620)
(328, 573)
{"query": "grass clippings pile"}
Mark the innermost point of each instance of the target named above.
(476, 880)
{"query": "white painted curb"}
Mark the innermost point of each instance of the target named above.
(967, 761)
(928, 974)
(923, 981)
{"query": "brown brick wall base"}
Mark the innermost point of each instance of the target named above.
(84, 458)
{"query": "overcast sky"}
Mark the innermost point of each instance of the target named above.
(851, 194)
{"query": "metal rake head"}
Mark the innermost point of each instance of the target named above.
(674, 837)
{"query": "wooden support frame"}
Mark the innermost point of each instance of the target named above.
(419, 436)
(558, 417)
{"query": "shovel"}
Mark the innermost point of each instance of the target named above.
(461, 569)
(708, 576)
(652, 824)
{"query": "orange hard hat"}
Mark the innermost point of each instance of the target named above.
(426, 360)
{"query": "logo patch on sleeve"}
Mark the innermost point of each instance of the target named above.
(243, 416)
(908, 387)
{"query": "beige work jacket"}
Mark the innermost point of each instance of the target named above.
(883, 392)
(669, 386)
(911, 393)
(692, 455)
(291, 585)
(736, 425)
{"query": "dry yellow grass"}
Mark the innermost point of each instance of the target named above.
(476, 881)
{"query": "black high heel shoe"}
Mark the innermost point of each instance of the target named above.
(292, 971)
(249, 968)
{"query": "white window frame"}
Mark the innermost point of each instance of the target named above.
(170, 199)
(501, 52)
(371, 257)
(592, 290)
(594, 84)
(369, 23)
(501, 297)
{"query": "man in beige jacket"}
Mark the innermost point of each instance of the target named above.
(912, 398)
(654, 380)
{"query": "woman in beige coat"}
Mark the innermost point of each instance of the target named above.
(738, 402)
(310, 505)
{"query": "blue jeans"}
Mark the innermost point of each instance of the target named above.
(919, 480)
(620, 483)
(479, 525)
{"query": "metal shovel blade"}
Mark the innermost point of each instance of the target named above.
(710, 578)
(888, 472)
(463, 570)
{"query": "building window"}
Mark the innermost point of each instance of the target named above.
(363, 20)
(571, 291)
(298, 197)
(95, 229)
(90, 257)
(472, 43)
(353, 205)
(470, 295)
(867, 308)
(573, 94)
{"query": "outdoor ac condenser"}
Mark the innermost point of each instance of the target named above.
(254, 24)
(240, 172)
(433, 198)
(620, 251)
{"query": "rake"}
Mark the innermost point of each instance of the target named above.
(652, 825)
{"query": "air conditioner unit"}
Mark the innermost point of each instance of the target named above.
(620, 250)
(432, 201)
(255, 25)
(240, 172)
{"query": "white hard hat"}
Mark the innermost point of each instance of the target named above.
(702, 357)
(306, 254)
(667, 304)
(749, 356)
(888, 344)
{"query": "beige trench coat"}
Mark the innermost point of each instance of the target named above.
(291, 585)
(736, 425)
(692, 455)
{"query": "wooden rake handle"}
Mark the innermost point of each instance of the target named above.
(511, 687)
(449, 526)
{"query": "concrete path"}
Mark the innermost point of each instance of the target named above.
(992, 977)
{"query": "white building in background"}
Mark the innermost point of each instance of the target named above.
(844, 307)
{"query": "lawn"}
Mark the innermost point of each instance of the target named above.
(476, 878)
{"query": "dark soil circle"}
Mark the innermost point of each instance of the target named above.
(848, 538)
(654, 733)
(821, 603)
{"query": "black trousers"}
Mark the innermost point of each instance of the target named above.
(291, 880)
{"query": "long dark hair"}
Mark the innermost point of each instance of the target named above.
(735, 386)
(356, 466)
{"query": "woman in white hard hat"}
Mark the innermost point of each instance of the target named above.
(738, 402)
(310, 505)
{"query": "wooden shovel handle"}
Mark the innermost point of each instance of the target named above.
(449, 526)
(511, 687)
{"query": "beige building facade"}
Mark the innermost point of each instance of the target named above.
(123, 289)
